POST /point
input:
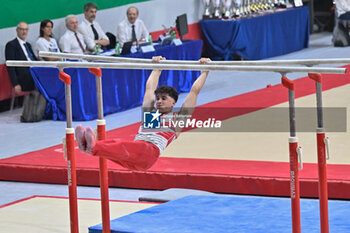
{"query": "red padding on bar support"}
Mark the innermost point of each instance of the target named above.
(287, 83)
(101, 132)
(96, 71)
(316, 76)
(64, 77)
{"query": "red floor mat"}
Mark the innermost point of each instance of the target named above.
(227, 176)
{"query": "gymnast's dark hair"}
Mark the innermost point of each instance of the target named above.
(167, 90)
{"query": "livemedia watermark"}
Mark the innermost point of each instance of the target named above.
(259, 119)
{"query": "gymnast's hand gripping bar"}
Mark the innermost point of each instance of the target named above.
(278, 69)
(306, 62)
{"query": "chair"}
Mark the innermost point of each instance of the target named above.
(14, 95)
(112, 40)
(324, 19)
(6, 89)
(6, 86)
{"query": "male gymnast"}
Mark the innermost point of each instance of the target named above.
(144, 151)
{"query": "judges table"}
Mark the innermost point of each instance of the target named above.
(260, 37)
(122, 89)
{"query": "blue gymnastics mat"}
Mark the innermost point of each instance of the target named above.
(201, 214)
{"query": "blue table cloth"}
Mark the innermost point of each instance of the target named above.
(122, 89)
(259, 37)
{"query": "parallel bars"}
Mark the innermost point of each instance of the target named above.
(186, 65)
(306, 62)
(140, 66)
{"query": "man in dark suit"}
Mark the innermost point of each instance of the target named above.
(19, 49)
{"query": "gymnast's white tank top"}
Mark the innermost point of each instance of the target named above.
(159, 137)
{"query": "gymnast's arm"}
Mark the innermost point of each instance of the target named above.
(151, 86)
(190, 102)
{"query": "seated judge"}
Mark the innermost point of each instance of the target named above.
(132, 28)
(20, 49)
(72, 41)
(91, 30)
(343, 9)
(46, 42)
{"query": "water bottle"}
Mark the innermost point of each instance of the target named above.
(117, 49)
(172, 33)
(97, 49)
(150, 41)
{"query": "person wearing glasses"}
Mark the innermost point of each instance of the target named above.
(20, 49)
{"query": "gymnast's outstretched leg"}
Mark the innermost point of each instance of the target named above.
(134, 155)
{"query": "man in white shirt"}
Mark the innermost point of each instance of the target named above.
(91, 30)
(343, 9)
(72, 41)
(132, 28)
(20, 49)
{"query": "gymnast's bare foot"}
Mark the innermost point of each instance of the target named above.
(90, 139)
(80, 137)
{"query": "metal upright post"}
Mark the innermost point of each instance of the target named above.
(294, 152)
(322, 145)
(101, 135)
(71, 162)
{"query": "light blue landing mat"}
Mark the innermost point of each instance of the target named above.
(223, 214)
